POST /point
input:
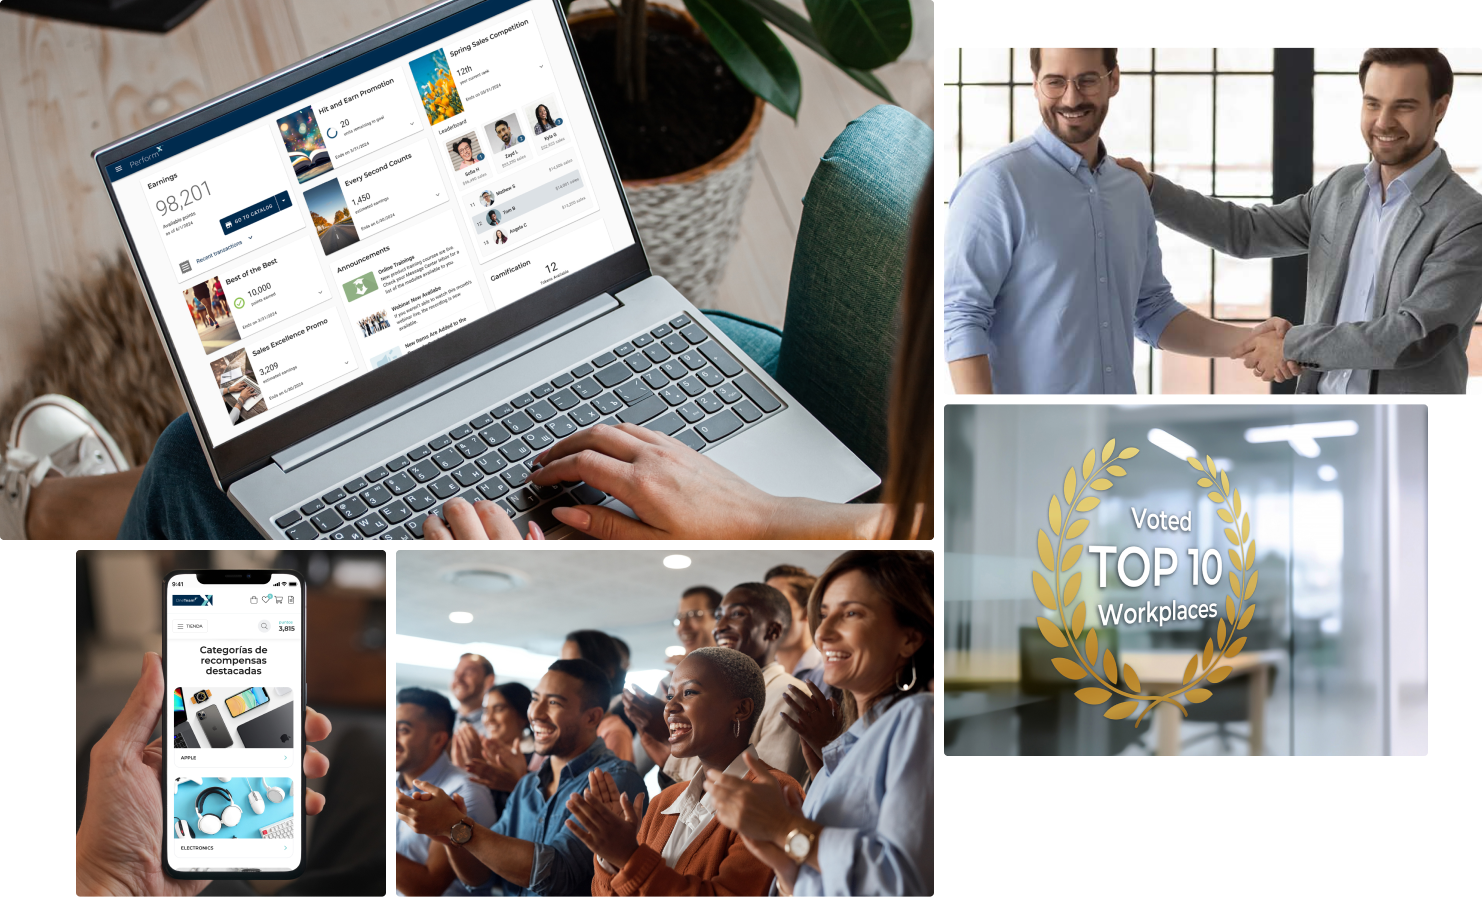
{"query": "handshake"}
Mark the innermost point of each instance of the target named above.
(1261, 351)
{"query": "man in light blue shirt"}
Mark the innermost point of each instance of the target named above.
(1052, 259)
(424, 726)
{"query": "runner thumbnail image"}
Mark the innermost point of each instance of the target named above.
(331, 216)
(434, 82)
(305, 145)
(465, 151)
(212, 314)
(505, 134)
(543, 115)
(239, 390)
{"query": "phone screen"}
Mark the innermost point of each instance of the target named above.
(233, 779)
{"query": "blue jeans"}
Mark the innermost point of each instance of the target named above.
(176, 497)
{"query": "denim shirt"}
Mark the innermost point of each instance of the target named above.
(874, 798)
(562, 864)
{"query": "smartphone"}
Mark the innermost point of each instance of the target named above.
(228, 628)
(214, 727)
(242, 702)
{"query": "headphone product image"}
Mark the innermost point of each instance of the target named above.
(210, 823)
(274, 793)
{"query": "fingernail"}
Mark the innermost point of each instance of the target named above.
(536, 532)
(573, 517)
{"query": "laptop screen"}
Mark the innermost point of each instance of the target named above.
(362, 215)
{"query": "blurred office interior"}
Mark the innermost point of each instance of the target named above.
(1337, 648)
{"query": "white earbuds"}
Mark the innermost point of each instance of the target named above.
(275, 794)
(211, 823)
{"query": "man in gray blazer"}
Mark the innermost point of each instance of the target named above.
(1394, 273)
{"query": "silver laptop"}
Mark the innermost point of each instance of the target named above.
(417, 248)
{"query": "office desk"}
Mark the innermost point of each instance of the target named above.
(1163, 671)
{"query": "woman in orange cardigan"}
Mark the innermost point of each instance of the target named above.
(678, 847)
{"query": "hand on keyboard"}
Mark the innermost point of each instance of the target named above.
(480, 520)
(676, 492)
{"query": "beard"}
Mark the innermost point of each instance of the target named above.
(1401, 152)
(1078, 131)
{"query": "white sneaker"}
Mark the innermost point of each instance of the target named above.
(52, 436)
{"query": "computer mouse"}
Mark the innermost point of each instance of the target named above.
(255, 801)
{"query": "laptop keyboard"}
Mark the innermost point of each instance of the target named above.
(673, 378)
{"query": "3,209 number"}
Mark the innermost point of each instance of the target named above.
(188, 195)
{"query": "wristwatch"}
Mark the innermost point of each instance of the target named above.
(460, 832)
(798, 844)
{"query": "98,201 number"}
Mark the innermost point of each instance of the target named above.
(191, 194)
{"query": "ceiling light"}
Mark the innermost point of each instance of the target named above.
(484, 579)
(1327, 473)
(676, 562)
(1172, 444)
(461, 616)
(1302, 437)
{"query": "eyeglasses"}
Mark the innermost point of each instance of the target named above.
(1087, 85)
(690, 615)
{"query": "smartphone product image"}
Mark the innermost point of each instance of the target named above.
(214, 727)
(217, 821)
(242, 702)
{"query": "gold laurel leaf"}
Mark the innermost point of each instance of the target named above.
(1250, 554)
(1224, 481)
(1072, 586)
(1245, 527)
(1046, 554)
(1087, 464)
(1234, 582)
(1094, 695)
(1116, 471)
(1208, 651)
(1219, 674)
(1071, 556)
(1052, 633)
(1130, 677)
(1198, 695)
(1087, 503)
(1224, 515)
(1120, 711)
(1191, 669)
(1106, 450)
(1042, 590)
(1213, 471)
(1250, 587)
(1233, 536)
(1101, 484)
(1221, 634)
(1130, 452)
(1230, 608)
(1091, 643)
(1245, 617)
(1069, 488)
(1109, 664)
(1235, 647)
(1069, 668)
(1205, 482)
(1077, 528)
(1235, 501)
(1055, 515)
(1078, 620)
(1234, 559)
(1194, 463)
(1216, 498)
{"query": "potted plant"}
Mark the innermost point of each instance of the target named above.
(681, 94)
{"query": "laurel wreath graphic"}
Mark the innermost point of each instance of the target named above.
(1060, 557)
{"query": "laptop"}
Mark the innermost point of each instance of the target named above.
(271, 730)
(406, 351)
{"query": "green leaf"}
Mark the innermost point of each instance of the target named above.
(865, 34)
(791, 23)
(754, 54)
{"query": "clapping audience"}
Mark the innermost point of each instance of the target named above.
(769, 783)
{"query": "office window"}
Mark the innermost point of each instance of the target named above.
(1337, 140)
